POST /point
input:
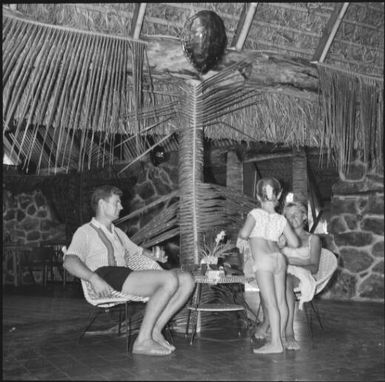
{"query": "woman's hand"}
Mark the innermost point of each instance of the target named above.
(282, 242)
(242, 245)
(159, 254)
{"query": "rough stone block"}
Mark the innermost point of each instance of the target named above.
(378, 249)
(372, 287)
(20, 215)
(344, 286)
(33, 236)
(24, 201)
(161, 188)
(344, 188)
(45, 225)
(40, 199)
(375, 225)
(375, 204)
(146, 190)
(362, 204)
(351, 221)
(354, 260)
(355, 171)
(29, 224)
(337, 225)
(379, 268)
(376, 181)
(353, 239)
(31, 210)
(41, 214)
(9, 215)
(343, 205)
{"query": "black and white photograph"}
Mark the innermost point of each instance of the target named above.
(193, 191)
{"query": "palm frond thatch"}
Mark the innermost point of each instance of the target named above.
(353, 108)
(57, 79)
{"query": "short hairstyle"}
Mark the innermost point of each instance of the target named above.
(299, 205)
(268, 189)
(103, 192)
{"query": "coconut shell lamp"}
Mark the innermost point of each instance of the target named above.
(204, 40)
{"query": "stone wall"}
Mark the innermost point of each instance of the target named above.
(356, 222)
(152, 183)
(28, 219)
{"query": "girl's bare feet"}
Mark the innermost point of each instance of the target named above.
(261, 332)
(149, 347)
(291, 343)
(269, 348)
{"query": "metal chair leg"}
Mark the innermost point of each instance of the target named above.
(316, 311)
(308, 319)
(93, 316)
(168, 334)
(195, 324)
(188, 324)
(120, 320)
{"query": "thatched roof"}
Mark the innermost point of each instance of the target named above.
(75, 97)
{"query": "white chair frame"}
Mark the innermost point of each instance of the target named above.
(327, 266)
(104, 304)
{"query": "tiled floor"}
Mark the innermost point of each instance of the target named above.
(41, 328)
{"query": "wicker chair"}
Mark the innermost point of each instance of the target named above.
(117, 299)
(327, 266)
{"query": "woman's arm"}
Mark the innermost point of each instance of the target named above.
(312, 262)
(291, 237)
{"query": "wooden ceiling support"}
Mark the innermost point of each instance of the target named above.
(137, 20)
(330, 32)
(244, 25)
(241, 21)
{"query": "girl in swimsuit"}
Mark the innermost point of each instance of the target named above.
(262, 229)
(306, 257)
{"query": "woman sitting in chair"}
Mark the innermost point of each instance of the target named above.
(303, 263)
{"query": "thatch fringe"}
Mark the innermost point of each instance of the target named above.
(270, 117)
(353, 108)
(60, 79)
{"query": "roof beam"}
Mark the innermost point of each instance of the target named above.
(243, 26)
(241, 21)
(137, 20)
(330, 32)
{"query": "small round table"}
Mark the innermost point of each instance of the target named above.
(196, 306)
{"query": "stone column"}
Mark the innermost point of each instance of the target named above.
(357, 224)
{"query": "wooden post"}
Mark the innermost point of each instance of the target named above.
(190, 174)
(299, 172)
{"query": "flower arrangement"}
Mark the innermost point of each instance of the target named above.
(219, 248)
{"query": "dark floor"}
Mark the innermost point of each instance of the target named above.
(41, 328)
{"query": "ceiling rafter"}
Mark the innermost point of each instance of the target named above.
(330, 32)
(244, 25)
(137, 20)
(238, 29)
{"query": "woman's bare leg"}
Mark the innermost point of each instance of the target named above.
(266, 285)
